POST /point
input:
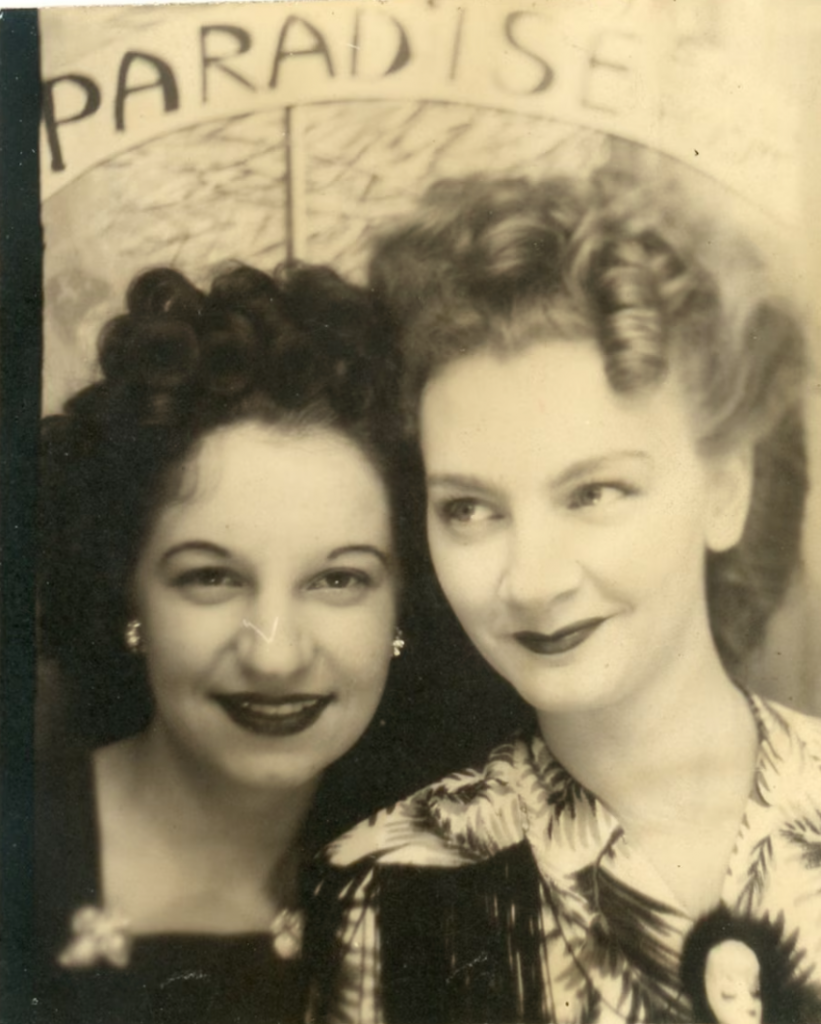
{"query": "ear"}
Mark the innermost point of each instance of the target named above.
(730, 489)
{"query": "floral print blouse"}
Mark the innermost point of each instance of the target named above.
(608, 931)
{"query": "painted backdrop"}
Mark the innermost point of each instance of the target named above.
(195, 135)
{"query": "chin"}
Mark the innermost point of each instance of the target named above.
(273, 773)
(568, 696)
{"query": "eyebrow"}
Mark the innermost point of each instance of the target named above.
(578, 469)
(469, 482)
(365, 549)
(201, 546)
(206, 547)
(586, 466)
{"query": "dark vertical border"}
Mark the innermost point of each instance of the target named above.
(21, 291)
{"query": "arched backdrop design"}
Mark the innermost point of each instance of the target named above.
(242, 169)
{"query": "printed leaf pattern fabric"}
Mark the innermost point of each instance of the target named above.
(610, 932)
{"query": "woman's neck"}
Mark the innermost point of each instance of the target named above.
(668, 738)
(185, 848)
(203, 800)
(675, 764)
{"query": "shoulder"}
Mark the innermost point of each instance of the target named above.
(806, 727)
(789, 764)
(63, 786)
(790, 731)
(462, 819)
(65, 845)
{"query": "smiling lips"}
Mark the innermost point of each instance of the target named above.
(267, 716)
(561, 641)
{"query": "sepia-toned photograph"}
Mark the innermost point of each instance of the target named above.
(428, 519)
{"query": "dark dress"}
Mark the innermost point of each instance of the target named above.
(169, 979)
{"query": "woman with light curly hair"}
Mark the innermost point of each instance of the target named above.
(607, 402)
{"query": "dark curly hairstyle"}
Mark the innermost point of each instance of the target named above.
(502, 263)
(301, 349)
(787, 996)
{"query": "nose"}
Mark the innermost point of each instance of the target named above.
(541, 564)
(273, 642)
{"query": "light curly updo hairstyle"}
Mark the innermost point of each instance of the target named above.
(300, 350)
(500, 264)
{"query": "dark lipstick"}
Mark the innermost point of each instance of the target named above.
(266, 716)
(561, 641)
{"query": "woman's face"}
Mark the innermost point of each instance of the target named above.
(732, 984)
(267, 593)
(568, 524)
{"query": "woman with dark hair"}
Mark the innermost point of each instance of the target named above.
(219, 588)
(607, 402)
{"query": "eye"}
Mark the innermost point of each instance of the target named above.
(208, 576)
(350, 580)
(460, 511)
(599, 494)
(464, 510)
(208, 584)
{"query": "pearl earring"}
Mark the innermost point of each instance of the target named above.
(398, 644)
(134, 636)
